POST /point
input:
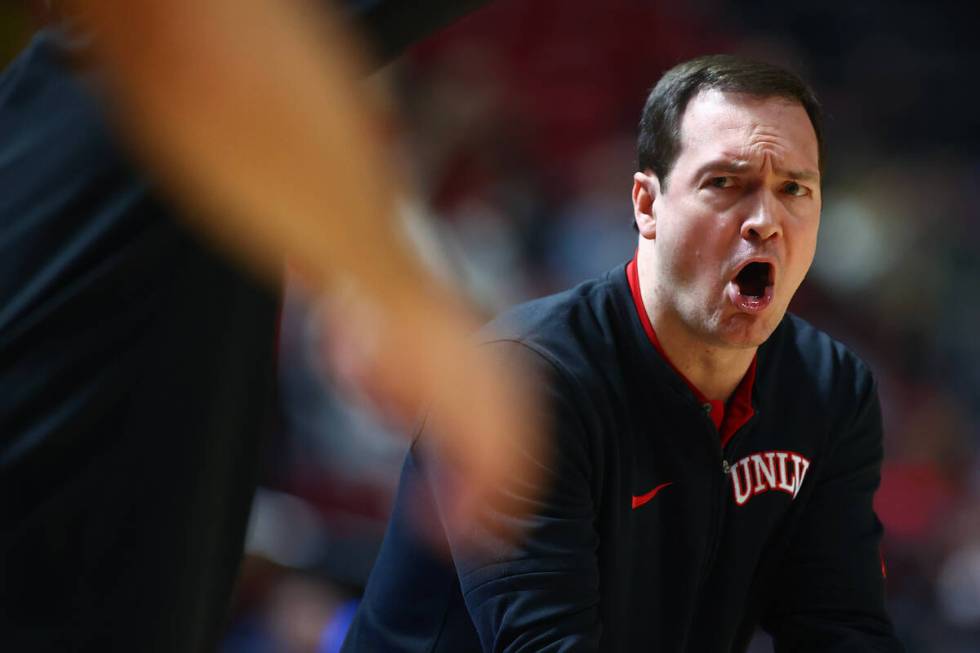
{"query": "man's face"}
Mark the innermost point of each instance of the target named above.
(732, 234)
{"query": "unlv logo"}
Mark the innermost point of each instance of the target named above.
(771, 470)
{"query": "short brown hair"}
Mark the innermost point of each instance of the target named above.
(660, 126)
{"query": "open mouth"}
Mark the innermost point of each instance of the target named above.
(752, 288)
(753, 279)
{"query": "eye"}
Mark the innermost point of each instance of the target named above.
(795, 189)
(721, 182)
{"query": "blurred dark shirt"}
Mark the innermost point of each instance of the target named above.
(136, 365)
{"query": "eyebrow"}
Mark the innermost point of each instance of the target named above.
(801, 175)
(736, 166)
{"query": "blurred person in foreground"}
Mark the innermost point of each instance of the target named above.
(136, 359)
(714, 460)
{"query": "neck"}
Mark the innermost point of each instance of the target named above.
(714, 370)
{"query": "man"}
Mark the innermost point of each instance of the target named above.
(714, 458)
(136, 360)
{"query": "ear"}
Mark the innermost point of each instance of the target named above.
(646, 189)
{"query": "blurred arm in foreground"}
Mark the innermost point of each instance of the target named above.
(248, 110)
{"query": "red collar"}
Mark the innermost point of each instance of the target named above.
(727, 419)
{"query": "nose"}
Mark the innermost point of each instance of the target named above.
(763, 223)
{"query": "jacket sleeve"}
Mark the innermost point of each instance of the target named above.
(540, 592)
(830, 592)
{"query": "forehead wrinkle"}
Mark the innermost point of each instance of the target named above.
(778, 141)
(745, 134)
(775, 152)
(737, 164)
(767, 146)
(780, 170)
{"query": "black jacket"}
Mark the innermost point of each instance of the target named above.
(695, 566)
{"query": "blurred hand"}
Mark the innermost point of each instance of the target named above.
(248, 111)
(418, 354)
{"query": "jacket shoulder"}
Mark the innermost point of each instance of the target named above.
(574, 330)
(812, 361)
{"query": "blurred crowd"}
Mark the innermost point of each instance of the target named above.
(516, 130)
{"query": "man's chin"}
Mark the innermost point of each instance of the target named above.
(749, 331)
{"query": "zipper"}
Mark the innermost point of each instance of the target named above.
(718, 492)
(726, 467)
(719, 506)
(714, 527)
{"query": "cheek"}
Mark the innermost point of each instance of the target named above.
(695, 242)
(698, 233)
(810, 241)
(805, 246)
